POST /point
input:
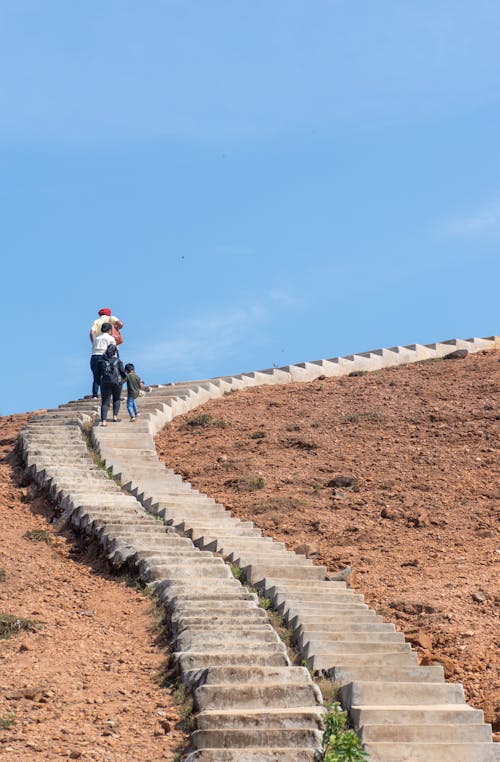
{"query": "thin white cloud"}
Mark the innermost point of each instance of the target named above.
(202, 340)
(484, 220)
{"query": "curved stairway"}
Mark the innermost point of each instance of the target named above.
(251, 704)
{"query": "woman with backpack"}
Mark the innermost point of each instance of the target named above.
(112, 376)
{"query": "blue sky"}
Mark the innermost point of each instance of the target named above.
(245, 183)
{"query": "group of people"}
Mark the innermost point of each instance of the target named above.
(108, 370)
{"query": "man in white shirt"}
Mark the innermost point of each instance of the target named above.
(99, 345)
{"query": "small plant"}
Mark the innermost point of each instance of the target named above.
(204, 420)
(265, 603)
(7, 720)
(237, 572)
(246, 483)
(3, 575)
(339, 744)
(258, 435)
(358, 373)
(38, 535)
(181, 696)
(315, 425)
(11, 625)
(330, 690)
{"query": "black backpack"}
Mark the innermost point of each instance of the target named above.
(110, 371)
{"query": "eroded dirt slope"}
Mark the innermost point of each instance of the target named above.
(85, 684)
(419, 523)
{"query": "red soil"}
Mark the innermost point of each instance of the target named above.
(420, 528)
(86, 683)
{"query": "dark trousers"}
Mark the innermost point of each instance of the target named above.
(108, 391)
(95, 367)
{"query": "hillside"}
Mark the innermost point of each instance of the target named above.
(83, 682)
(417, 517)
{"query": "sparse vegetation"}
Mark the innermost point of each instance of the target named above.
(237, 572)
(246, 483)
(10, 625)
(330, 690)
(340, 744)
(38, 535)
(358, 373)
(277, 505)
(3, 575)
(182, 697)
(258, 435)
(204, 420)
(7, 720)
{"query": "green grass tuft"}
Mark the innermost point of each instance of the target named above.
(38, 535)
(10, 625)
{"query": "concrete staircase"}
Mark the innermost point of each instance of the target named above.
(251, 704)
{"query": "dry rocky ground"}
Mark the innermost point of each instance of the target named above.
(84, 682)
(417, 519)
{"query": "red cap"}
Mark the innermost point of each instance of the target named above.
(105, 311)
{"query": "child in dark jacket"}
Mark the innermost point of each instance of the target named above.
(134, 386)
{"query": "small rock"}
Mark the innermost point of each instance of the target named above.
(484, 533)
(75, 754)
(343, 481)
(447, 663)
(390, 513)
(419, 638)
(222, 458)
(338, 494)
(309, 551)
(418, 518)
(344, 575)
(458, 354)
(478, 597)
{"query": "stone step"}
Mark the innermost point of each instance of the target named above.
(323, 640)
(431, 714)
(259, 634)
(433, 752)
(256, 574)
(268, 694)
(180, 571)
(196, 530)
(205, 659)
(348, 618)
(405, 694)
(461, 733)
(339, 630)
(325, 662)
(261, 718)
(281, 754)
(344, 674)
(220, 621)
(244, 738)
(246, 675)
(339, 648)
